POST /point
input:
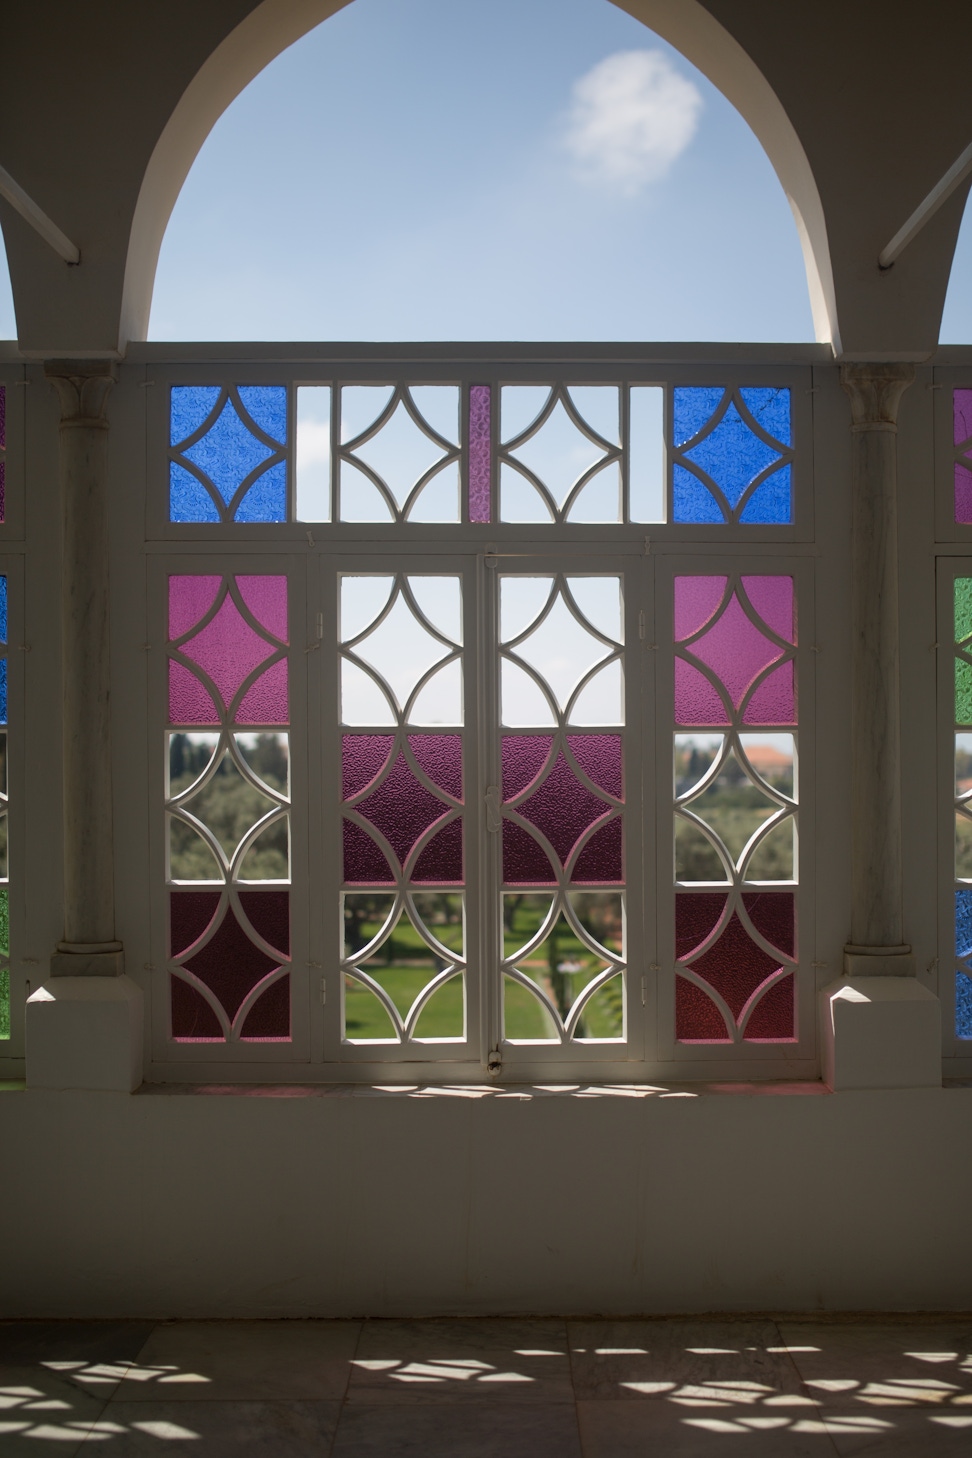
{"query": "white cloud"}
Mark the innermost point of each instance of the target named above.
(631, 115)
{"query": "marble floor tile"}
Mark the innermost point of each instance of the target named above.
(238, 1360)
(662, 1358)
(620, 1429)
(888, 1387)
(458, 1430)
(461, 1360)
(24, 1342)
(42, 1411)
(215, 1429)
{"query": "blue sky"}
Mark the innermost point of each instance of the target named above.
(414, 172)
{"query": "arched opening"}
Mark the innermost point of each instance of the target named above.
(525, 226)
(956, 327)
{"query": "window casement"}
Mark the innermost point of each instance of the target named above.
(484, 724)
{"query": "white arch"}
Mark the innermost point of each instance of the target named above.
(275, 24)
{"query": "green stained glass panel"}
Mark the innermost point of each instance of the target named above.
(4, 1003)
(963, 692)
(963, 608)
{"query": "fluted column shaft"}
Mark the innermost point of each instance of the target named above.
(875, 391)
(88, 945)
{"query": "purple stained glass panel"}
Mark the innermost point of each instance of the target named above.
(525, 862)
(193, 1020)
(480, 452)
(266, 597)
(440, 757)
(189, 701)
(268, 1020)
(601, 861)
(401, 808)
(266, 700)
(227, 649)
(963, 494)
(364, 863)
(441, 860)
(363, 757)
(524, 756)
(697, 1019)
(599, 756)
(961, 416)
(697, 701)
(230, 964)
(774, 700)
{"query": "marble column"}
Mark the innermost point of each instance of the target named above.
(879, 1026)
(88, 946)
(876, 945)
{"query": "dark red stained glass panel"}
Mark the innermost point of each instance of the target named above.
(441, 860)
(269, 915)
(735, 966)
(772, 913)
(193, 1020)
(269, 1017)
(771, 1020)
(190, 913)
(600, 861)
(229, 964)
(697, 1019)
(696, 914)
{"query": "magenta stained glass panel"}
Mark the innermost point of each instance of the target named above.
(735, 650)
(479, 453)
(227, 649)
(268, 1020)
(190, 914)
(364, 864)
(562, 808)
(696, 600)
(525, 862)
(599, 756)
(193, 1020)
(189, 701)
(266, 597)
(230, 964)
(441, 860)
(772, 597)
(190, 598)
(600, 862)
(266, 700)
(697, 701)
(774, 701)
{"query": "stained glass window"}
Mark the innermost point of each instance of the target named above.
(562, 712)
(962, 437)
(228, 453)
(403, 894)
(963, 805)
(3, 453)
(399, 453)
(733, 455)
(735, 788)
(227, 776)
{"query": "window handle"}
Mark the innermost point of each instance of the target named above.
(494, 819)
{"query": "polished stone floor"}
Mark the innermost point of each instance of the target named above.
(513, 1388)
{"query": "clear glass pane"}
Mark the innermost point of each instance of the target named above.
(525, 1019)
(558, 453)
(646, 459)
(774, 859)
(599, 407)
(312, 457)
(604, 1012)
(520, 405)
(365, 1019)
(733, 806)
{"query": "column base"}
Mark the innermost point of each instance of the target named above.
(85, 1033)
(880, 1032)
(88, 959)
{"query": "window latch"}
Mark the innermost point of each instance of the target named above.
(494, 820)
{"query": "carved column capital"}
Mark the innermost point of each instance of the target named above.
(875, 392)
(82, 388)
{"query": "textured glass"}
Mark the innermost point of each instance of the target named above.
(963, 494)
(962, 435)
(3, 447)
(480, 453)
(3, 609)
(4, 969)
(229, 963)
(228, 649)
(963, 669)
(736, 650)
(402, 808)
(226, 445)
(734, 965)
(962, 416)
(561, 808)
(719, 435)
(963, 1005)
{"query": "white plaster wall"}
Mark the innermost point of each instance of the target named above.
(337, 1203)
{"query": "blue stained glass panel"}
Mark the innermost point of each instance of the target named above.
(963, 1006)
(188, 498)
(3, 691)
(692, 406)
(771, 410)
(732, 455)
(267, 404)
(691, 501)
(3, 609)
(228, 452)
(266, 499)
(188, 407)
(771, 503)
(963, 923)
